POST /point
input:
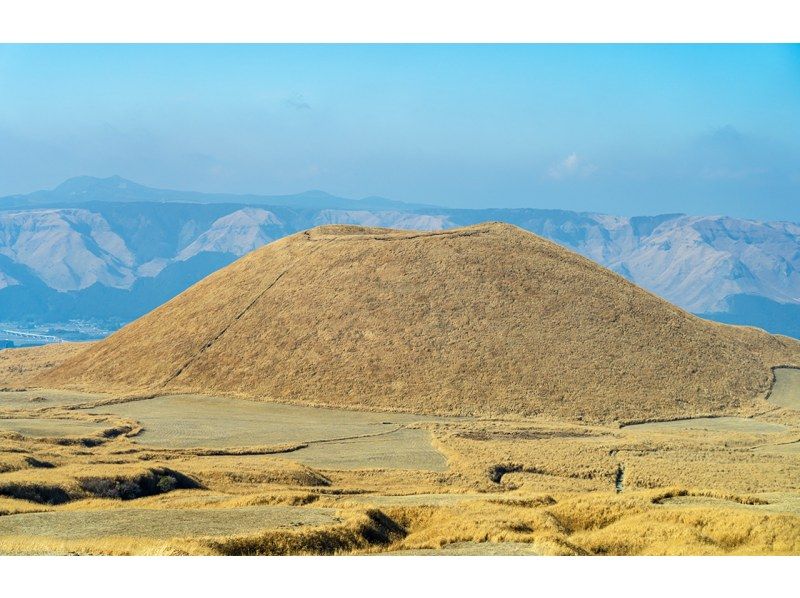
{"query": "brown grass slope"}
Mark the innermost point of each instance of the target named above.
(487, 319)
(19, 366)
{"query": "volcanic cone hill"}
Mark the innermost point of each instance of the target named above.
(487, 320)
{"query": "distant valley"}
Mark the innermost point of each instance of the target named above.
(109, 250)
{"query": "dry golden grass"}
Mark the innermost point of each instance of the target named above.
(548, 351)
(19, 366)
(328, 438)
(483, 320)
(558, 497)
(695, 532)
(594, 523)
(786, 390)
(161, 524)
(685, 491)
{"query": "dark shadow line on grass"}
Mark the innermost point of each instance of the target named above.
(241, 314)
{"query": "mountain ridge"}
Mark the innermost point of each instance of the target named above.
(115, 188)
(700, 263)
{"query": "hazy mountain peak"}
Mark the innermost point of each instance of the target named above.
(237, 233)
(82, 184)
(115, 189)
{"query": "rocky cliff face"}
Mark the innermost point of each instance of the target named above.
(694, 262)
(68, 249)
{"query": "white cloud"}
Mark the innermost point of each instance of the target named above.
(571, 166)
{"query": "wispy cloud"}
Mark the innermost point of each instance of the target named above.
(298, 102)
(571, 167)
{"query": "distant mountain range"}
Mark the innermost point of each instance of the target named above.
(111, 249)
(115, 189)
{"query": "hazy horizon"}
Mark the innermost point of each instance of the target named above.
(246, 196)
(620, 129)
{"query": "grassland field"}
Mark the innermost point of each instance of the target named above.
(184, 474)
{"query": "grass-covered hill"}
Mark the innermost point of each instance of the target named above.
(487, 319)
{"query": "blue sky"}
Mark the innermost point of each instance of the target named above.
(624, 129)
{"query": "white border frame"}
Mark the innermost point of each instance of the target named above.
(399, 21)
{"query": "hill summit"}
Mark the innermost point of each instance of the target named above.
(488, 320)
